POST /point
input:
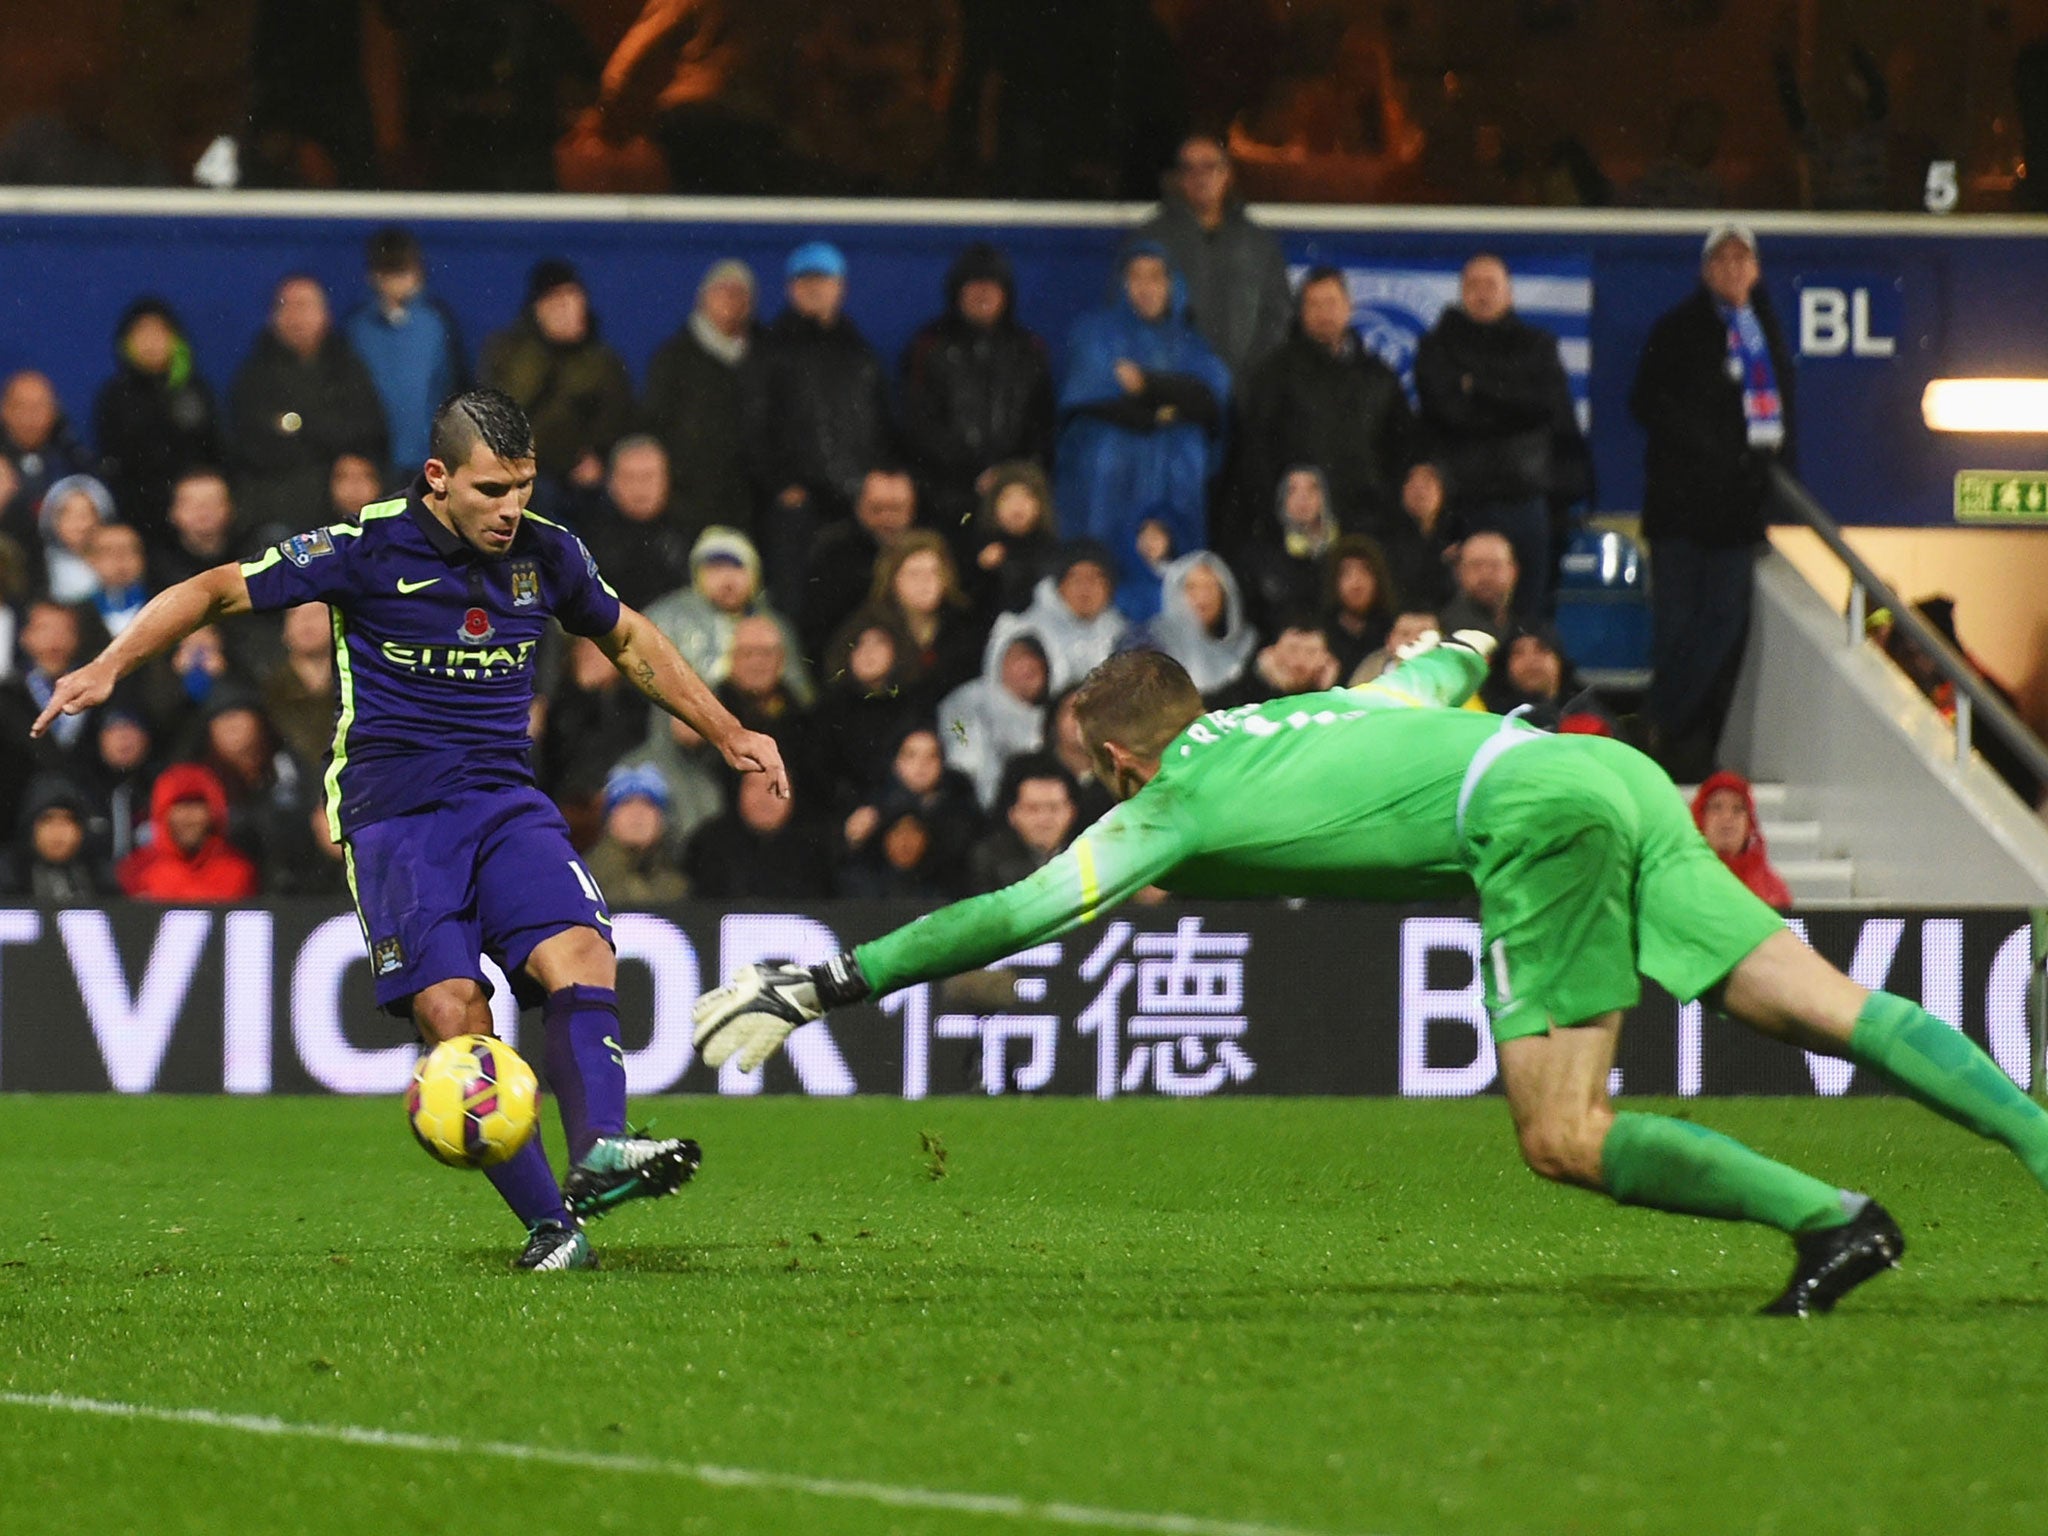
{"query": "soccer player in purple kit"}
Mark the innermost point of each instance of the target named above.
(440, 599)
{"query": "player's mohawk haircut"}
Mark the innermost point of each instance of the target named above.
(487, 416)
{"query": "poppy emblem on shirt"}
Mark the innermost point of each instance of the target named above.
(525, 583)
(477, 626)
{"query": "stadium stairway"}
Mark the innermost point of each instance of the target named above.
(1860, 792)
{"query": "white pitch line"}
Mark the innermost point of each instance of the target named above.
(898, 1496)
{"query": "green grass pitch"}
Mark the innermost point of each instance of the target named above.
(1251, 1316)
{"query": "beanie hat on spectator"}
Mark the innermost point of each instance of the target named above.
(981, 263)
(814, 258)
(101, 498)
(640, 781)
(730, 270)
(149, 307)
(548, 275)
(226, 696)
(393, 248)
(1084, 552)
(50, 792)
(718, 542)
(1727, 231)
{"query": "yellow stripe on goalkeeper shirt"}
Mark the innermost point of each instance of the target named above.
(1091, 891)
(1393, 693)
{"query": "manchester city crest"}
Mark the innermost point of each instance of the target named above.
(525, 583)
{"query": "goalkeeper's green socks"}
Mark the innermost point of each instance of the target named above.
(1945, 1070)
(1674, 1165)
(1677, 1166)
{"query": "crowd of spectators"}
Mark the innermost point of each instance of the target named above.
(898, 573)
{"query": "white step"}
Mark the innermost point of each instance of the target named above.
(1791, 840)
(1818, 879)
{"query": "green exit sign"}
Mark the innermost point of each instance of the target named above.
(2001, 496)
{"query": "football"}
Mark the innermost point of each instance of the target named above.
(472, 1101)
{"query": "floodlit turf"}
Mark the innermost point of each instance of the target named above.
(1320, 1316)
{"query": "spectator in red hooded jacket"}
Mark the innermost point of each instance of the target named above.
(188, 859)
(1724, 809)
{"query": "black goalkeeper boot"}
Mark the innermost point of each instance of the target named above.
(1831, 1263)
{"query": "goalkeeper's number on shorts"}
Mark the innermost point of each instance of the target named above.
(748, 1018)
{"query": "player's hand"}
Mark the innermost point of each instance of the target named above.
(752, 752)
(75, 693)
(1425, 642)
(1129, 376)
(748, 1018)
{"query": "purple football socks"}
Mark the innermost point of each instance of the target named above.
(586, 1064)
(528, 1185)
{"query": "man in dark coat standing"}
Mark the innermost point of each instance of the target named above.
(301, 399)
(1499, 424)
(814, 413)
(1234, 271)
(1325, 399)
(977, 390)
(1713, 391)
(693, 400)
(634, 529)
(155, 418)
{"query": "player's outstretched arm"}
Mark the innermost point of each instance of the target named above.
(1434, 671)
(648, 660)
(164, 620)
(1138, 842)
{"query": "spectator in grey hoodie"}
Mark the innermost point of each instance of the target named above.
(1202, 622)
(1073, 612)
(986, 722)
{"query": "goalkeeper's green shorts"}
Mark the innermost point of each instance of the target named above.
(1591, 875)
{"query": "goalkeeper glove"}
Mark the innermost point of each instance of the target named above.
(1475, 640)
(748, 1018)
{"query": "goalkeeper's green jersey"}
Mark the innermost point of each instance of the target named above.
(1352, 792)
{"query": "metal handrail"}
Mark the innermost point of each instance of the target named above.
(1975, 700)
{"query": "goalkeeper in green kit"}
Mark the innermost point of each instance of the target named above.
(1589, 873)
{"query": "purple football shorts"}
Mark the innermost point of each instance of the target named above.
(485, 872)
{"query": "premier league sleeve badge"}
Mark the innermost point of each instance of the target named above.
(303, 549)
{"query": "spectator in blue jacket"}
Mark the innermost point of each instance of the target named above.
(408, 340)
(1142, 416)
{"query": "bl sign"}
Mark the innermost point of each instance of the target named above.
(1836, 322)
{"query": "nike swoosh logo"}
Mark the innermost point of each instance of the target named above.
(407, 588)
(618, 1051)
